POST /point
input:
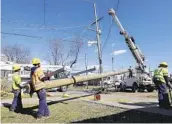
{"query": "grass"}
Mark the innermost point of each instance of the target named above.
(70, 111)
(82, 112)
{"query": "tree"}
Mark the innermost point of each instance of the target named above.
(59, 56)
(16, 53)
(55, 47)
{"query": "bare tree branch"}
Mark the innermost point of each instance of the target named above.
(59, 55)
(16, 53)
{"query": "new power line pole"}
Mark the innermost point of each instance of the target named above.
(98, 33)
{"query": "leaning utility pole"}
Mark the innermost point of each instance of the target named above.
(98, 33)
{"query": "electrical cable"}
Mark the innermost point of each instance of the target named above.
(108, 35)
(44, 14)
(117, 6)
(21, 35)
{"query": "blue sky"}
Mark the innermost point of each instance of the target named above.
(149, 21)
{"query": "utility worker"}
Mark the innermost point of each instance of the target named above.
(130, 72)
(161, 81)
(16, 88)
(38, 78)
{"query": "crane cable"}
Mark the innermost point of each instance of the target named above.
(117, 6)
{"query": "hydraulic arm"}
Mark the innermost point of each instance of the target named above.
(139, 57)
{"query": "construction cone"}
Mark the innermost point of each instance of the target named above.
(65, 95)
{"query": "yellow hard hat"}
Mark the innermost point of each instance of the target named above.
(65, 95)
(35, 61)
(16, 67)
(164, 63)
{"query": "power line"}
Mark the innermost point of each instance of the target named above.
(44, 14)
(117, 6)
(21, 35)
(108, 35)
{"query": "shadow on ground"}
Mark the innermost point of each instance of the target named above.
(144, 104)
(130, 116)
(30, 110)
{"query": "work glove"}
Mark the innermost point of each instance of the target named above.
(45, 78)
(21, 86)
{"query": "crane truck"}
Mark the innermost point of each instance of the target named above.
(141, 79)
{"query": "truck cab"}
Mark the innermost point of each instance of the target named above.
(139, 81)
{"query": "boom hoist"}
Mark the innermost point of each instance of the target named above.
(139, 57)
(143, 79)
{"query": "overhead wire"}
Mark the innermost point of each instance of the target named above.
(111, 25)
(7, 33)
(44, 15)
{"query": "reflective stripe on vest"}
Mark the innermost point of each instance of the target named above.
(158, 73)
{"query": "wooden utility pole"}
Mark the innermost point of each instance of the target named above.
(98, 33)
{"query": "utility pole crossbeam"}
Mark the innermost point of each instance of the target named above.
(98, 33)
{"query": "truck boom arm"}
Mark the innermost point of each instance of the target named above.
(139, 57)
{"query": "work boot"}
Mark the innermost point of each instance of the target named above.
(11, 109)
(46, 116)
(38, 116)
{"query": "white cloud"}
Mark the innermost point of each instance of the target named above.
(118, 52)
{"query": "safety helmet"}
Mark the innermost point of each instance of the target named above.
(164, 63)
(16, 67)
(65, 95)
(35, 61)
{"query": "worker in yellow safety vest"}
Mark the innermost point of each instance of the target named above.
(37, 79)
(160, 79)
(16, 88)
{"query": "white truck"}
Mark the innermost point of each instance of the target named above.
(114, 82)
(141, 79)
(138, 82)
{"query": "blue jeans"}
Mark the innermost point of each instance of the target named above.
(17, 100)
(43, 107)
(163, 95)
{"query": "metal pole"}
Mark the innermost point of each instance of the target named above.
(86, 67)
(86, 63)
(98, 44)
(112, 63)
